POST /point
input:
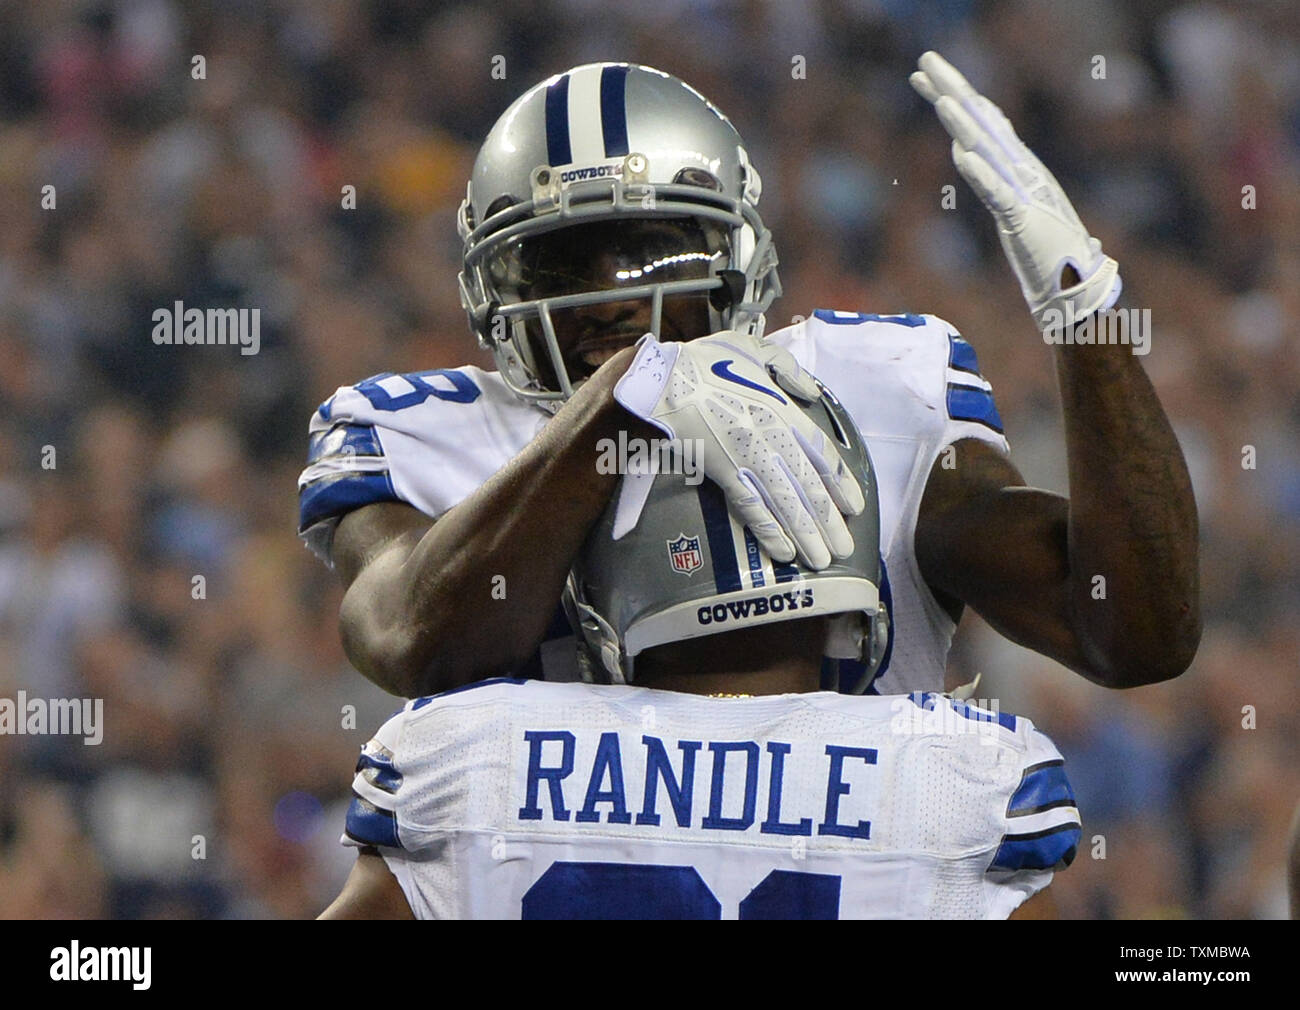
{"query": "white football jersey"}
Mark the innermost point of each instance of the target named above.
(512, 798)
(910, 382)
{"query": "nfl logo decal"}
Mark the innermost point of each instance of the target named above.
(684, 552)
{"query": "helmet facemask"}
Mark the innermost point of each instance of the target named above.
(539, 272)
(608, 256)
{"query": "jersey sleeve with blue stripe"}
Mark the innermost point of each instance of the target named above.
(936, 364)
(427, 439)
(912, 384)
(1030, 815)
(376, 789)
(1041, 824)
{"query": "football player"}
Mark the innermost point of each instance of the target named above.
(515, 798)
(616, 264)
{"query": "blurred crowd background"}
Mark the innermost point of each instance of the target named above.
(225, 716)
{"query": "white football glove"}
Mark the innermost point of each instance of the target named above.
(781, 474)
(1040, 232)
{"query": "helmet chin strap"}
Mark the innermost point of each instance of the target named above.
(724, 298)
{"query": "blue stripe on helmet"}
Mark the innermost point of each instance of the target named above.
(613, 110)
(558, 151)
(717, 530)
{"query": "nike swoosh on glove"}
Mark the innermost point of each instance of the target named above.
(737, 395)
(1037, 225)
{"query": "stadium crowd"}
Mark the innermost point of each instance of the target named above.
(231, 716)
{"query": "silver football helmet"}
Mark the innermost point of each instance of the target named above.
(608, 143)
(688, 569)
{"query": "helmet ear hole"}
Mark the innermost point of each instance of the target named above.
(499, 204)
(698, 177)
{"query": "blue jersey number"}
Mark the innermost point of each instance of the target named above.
(853, 318)
(455, 386)
(635, 891)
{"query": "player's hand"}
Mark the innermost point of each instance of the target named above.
(736, 394)
(1040, 232)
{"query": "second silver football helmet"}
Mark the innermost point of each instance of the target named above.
(687, 569)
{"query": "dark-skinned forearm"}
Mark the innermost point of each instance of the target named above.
(1132, 519)
(473, 598)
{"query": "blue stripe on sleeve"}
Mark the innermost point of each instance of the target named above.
(558, 151)
(379, 772)
(717, 530)
(961, 355)
(1042, 787)
(344, 439)
(613, 110)
(331, 496)
(369, 825)
(971, 403)
(1041, 850)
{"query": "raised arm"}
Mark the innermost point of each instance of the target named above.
(1105, 582)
